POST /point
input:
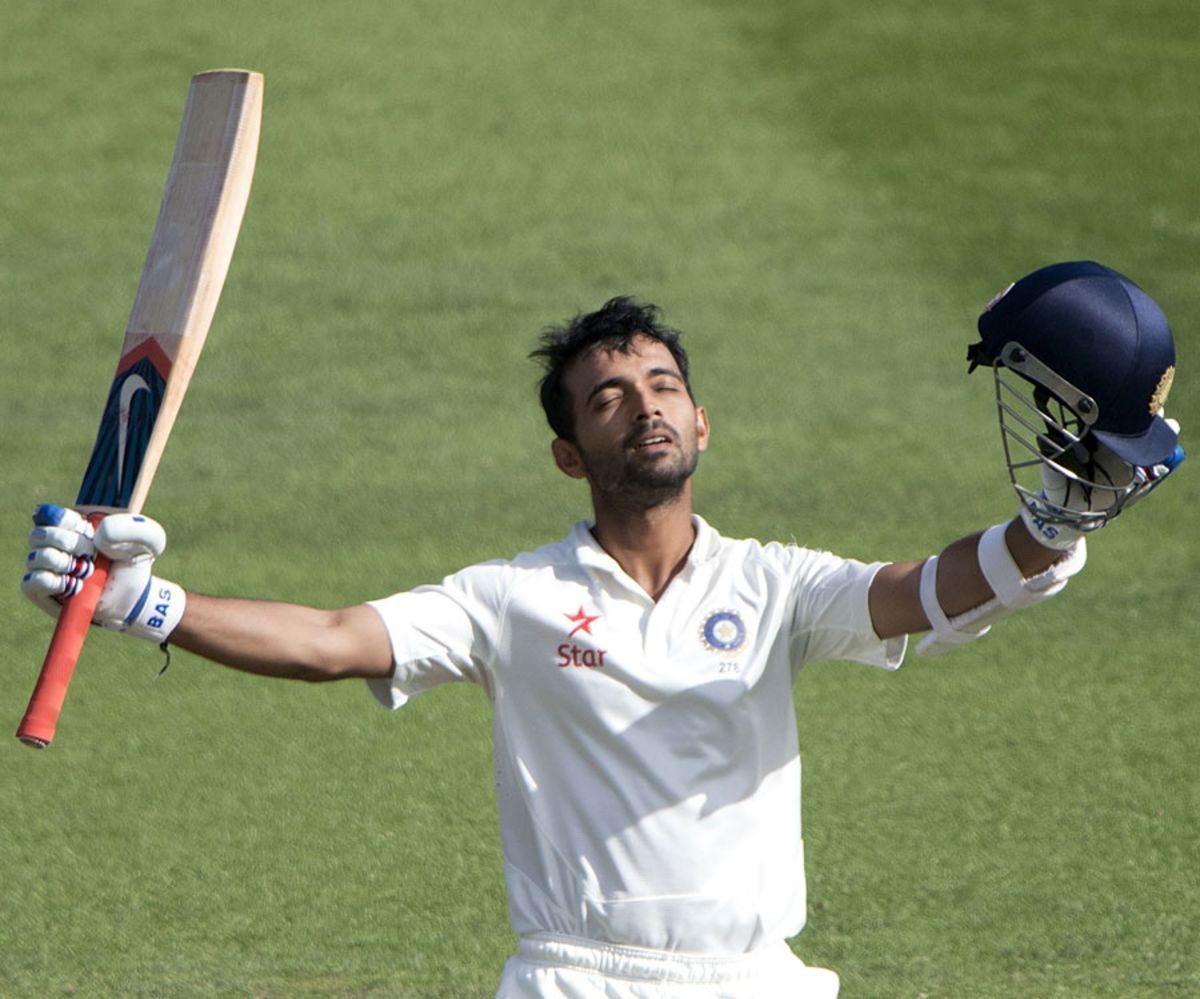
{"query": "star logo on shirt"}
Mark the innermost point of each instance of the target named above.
(582, 621)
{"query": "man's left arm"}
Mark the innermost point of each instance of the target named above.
(959, 594)
(958, 577)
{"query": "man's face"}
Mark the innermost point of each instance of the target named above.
(638, 434)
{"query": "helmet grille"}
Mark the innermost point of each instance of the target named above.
(1044, 434)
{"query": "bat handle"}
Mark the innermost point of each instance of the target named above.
(41, 717)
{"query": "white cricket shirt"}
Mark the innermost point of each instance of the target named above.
(647, 766)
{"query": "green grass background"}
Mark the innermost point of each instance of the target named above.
(822, 195)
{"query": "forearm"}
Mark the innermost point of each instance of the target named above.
(285, 640)
(895, 601)
(961, 584)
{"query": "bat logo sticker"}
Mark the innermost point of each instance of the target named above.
(129, 415)
(132, 386)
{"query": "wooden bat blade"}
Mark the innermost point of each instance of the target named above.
(203, 202)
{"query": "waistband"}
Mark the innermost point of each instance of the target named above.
(644, 964)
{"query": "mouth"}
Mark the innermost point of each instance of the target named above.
(651, 442)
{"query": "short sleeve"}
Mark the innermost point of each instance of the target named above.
(443, 633)
(832, 617)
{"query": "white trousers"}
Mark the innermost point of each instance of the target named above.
(549, 966)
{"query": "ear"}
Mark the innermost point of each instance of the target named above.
(567, 458)
(702, 428)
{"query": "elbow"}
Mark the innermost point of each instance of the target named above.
(325, 670)
(347, 644)
(309, 673)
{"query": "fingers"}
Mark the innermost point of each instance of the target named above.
(1149, 478)
(59, 562)
(53, 515)
(62, 529)
(48, 581)
(120, 536)
(43, 585)
(63, 539)
(60, 558)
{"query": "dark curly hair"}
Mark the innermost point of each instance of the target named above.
(611, 327)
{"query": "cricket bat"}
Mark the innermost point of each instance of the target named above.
(202, 207)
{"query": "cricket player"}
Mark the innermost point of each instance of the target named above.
(641, 669)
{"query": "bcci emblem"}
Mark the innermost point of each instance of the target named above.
(723, 631)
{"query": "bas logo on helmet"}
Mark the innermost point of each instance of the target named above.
(723, 631)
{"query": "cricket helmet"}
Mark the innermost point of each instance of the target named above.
(1095, 360)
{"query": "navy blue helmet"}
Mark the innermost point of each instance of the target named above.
(1106, 341)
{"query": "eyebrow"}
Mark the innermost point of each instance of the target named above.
(617, 380)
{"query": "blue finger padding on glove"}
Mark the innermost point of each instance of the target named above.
(48, 515)
(1176, 458)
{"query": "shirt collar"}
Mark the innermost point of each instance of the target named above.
(593, 556)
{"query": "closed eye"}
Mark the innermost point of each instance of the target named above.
(610, 391)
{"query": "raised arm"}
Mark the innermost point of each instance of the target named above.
(960, 593)
(1082, 360)
(257, 636)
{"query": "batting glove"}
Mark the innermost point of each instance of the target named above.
(1130, 484)
(63, 550)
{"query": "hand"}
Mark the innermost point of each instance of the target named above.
(1149, 478)
(1099, 486)
(64, 546)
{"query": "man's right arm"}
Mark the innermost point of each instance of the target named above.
(285, 640)
(257, 636)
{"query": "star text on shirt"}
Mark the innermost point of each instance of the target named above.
(570, 654)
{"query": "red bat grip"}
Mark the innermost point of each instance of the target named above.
(41, 717)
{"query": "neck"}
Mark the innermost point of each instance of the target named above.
(650, 543)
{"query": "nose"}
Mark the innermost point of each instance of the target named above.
(647, 407)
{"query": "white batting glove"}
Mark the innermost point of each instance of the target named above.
(1131, 483)
(63, 548)
(1061, 491)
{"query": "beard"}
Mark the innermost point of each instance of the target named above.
(641, 480)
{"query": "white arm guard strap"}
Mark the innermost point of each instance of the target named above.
(1012, 591)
